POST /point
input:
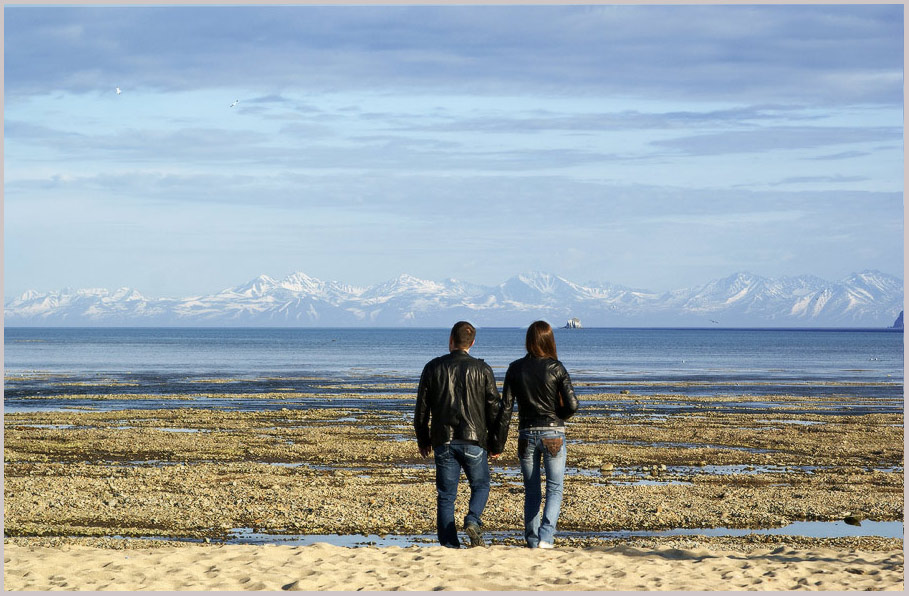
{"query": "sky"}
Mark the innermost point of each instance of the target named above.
(651, 146)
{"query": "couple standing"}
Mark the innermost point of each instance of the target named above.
(469, 423)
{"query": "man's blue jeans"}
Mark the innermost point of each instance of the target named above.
(450, 460)
(546, 447)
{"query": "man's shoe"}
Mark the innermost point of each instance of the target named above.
(476, 537)
(545, 545)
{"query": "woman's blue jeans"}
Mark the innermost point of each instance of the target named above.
(450, 460)
(546, 447)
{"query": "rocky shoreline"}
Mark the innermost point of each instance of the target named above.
(100, 477)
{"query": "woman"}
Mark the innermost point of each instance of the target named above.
(542, 388)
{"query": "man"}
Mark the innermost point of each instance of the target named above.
(458, 392)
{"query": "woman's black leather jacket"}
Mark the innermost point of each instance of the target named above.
(537, 384)
(459, 393)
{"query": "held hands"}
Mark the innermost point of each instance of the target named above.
(425, 451)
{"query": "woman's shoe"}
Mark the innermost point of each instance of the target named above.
(475, 535)
(545, 545)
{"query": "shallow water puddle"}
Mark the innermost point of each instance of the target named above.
(799, 422)
(688, 446)
(51, 426)
(836, 529)
(741, 469)
(184, 430)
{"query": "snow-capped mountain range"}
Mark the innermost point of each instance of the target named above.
(866, 299)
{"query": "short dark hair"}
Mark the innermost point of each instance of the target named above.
(462, 335)
(540, 341)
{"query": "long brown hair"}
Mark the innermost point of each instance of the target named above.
(540, 342)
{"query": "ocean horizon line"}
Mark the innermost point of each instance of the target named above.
(436, 327)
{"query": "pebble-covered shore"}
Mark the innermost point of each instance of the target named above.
(93, 477)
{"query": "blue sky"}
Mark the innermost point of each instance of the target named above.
(656, 147)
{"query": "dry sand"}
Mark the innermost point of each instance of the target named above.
(326, 567)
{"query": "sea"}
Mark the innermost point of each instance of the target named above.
(368, 364)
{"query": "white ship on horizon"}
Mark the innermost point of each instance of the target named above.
(573, 323)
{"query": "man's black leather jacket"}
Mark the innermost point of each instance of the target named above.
(536, 384)
(459, 392)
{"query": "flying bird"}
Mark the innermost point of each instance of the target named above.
(118, 91)
(235, 103)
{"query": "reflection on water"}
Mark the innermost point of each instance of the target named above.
(811, 529)
(591, 407)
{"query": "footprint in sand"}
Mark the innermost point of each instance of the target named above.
(561, 581)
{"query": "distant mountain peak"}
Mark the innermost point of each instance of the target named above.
(868, 298)
(256, 287)
(126, 294)
(539, 280)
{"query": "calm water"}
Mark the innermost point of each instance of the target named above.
(685, 362)
(892, 529)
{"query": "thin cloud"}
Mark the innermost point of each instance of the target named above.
(542, 121)
(764, 53)
(819, 179)
(840, 155)
(776, 138)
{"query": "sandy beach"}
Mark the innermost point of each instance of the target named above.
(157, 499)
(328, 567)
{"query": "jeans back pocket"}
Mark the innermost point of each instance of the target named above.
(553, 446)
